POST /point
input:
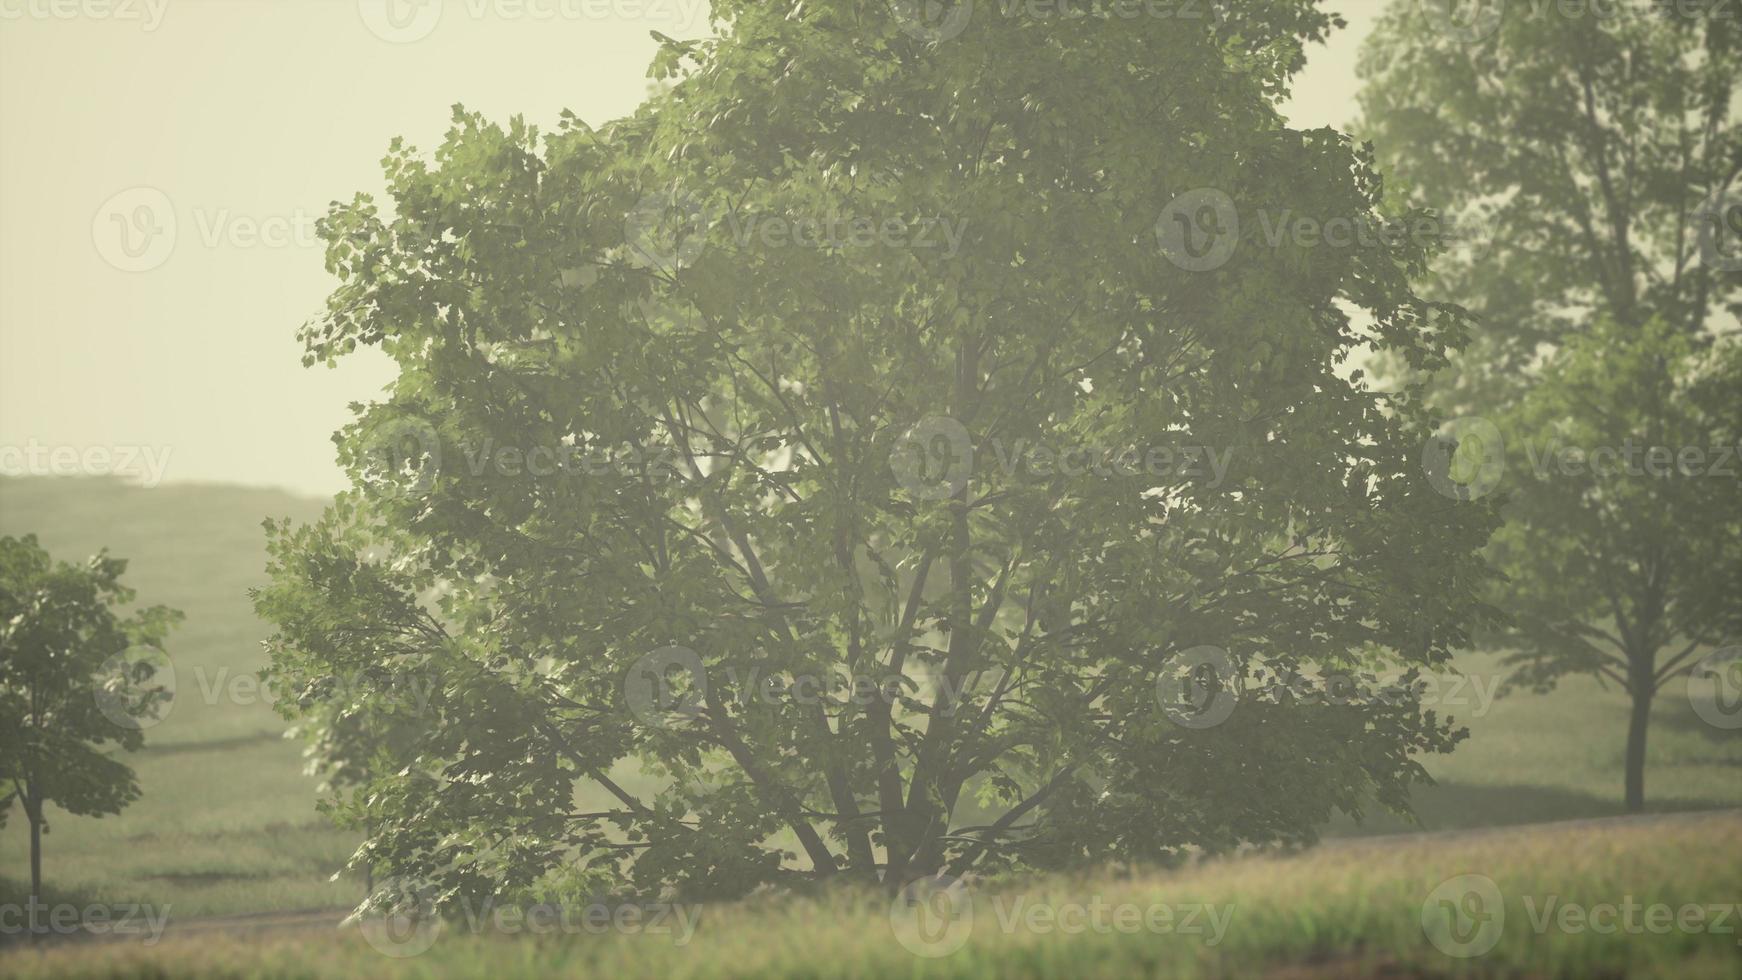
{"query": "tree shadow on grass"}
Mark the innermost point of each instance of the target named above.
(1461, 806)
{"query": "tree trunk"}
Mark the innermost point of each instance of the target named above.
(33, 813)
(1636, 729)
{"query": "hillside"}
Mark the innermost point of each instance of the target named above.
(227, 819)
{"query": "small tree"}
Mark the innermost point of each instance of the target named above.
(1624, 531)
(75, 678)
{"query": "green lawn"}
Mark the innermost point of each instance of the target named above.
(1649, 897)
(227, 824)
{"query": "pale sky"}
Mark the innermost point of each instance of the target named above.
(238, 121)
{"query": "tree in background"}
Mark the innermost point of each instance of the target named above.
(1595, 151)
(1624, 531)
(658, 431)
(1590, 155)
(75, 678)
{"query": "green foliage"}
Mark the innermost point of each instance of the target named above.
(1624, 530)
(752, 495)
(1594, 151)
(1587, 153)
(75, 679)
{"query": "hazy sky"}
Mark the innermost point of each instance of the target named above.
(162, 164)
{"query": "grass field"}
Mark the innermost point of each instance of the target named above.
(1626, 897)
(227, 825)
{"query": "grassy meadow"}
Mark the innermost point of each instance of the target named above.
(227, 825)
(1568, 900)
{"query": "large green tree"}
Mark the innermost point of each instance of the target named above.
(695, 395)
(76, 681)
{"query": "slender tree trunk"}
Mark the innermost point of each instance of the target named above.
(33, 813)
(1636, 729)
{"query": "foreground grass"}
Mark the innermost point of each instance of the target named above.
(1348, 909)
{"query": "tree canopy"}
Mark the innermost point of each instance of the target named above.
(631, 443)
(77, 680)
(1588, 155)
